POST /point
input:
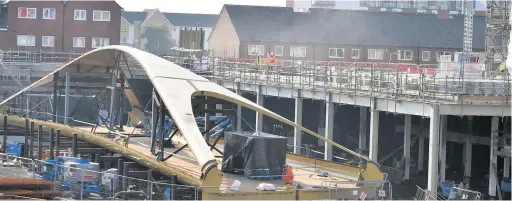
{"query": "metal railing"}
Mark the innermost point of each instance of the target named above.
(83, 184)
(421, 84)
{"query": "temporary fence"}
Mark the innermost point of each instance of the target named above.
(84, 184)
(463, 194)
(396, 175)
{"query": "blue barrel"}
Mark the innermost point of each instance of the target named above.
(505, 184)
(446, 187)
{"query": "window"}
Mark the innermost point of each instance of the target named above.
(124, 27)
(256, 49)
(336, 52)
(425, 55)
(441, 53)
(26, 40)
(78, 41)
(80, 15)
(375, 54)
(404, 55)
(48, 41)
(355, 53)
(296, 51)
(124, 40)
(101, 15)
(100, 42)
(49, 13)
(27, 13)
(278, 51)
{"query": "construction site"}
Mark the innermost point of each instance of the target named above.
(118, 122)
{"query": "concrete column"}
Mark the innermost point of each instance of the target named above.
(297, 133)
(374, 134)
(238, 111)
(506, 167)
(329, 125)
(259, 116)
(421, 146)
(433, 155)
(468, 149)
(363, 118)
(494, 158)
(442, 149)
(407, 145)
(66, 99)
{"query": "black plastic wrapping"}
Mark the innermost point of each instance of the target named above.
(258, 155)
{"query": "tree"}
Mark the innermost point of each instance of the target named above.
(158, 40)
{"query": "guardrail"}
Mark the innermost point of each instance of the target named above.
(387, 82)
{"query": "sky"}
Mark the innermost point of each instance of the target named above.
(191, 6)
(207, 6)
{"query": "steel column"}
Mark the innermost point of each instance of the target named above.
(259, 117)
(66, 98)
(74, 145)
(40, 142)
(161, 130)
(55, 97)
(113, 84)
(4, 142)
(32, 131)
(363, 119)
(494, 158)
(374, 133)
(297, 133)
(121, 102)
(52, 143)
(27, 136)
(57, 143)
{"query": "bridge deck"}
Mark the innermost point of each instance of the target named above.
(184, 162)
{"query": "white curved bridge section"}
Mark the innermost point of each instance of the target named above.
(175, 85)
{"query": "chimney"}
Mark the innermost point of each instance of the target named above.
(289, 3)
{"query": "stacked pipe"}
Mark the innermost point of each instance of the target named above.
(28, 187)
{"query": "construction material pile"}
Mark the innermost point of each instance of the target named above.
(28, 187)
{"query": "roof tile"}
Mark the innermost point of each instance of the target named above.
(351, 27)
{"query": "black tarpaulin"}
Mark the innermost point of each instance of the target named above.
(257, 155)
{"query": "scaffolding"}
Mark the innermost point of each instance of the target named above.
(497, 33)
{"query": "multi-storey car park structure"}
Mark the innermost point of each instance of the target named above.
(315, 90)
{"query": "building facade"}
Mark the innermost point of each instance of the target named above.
(134, 25)
(343, 35)
(60, 26)
(448, 6)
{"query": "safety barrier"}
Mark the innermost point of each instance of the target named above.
(394, 174)
(372, 81)
(463, 194)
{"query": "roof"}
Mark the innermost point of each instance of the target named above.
(132, 16)
(351, 27)
(191, 20)
(176, 19)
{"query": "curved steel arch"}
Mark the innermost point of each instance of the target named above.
(176, 86)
